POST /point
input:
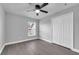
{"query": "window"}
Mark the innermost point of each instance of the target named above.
(31, 28)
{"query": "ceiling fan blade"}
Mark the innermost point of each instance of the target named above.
(37, 6)
(43, 5)
(44, 11)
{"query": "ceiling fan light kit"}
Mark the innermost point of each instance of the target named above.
(37, 11)
(38, 8)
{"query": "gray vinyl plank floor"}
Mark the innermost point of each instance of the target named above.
(36, 47)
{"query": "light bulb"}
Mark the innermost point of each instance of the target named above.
(37, 11)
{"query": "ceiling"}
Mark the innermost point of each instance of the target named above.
(21, 9)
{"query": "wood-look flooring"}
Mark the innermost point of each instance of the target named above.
(36, 47)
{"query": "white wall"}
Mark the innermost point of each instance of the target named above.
(45, 29)
(45, 23)
(76, 28)
(16, 28)
(75, 11)
(58, 28)
(63, 30)
(2, 27)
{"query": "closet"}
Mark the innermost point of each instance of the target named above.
(62, 30)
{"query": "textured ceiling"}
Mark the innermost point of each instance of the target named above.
(21, 9)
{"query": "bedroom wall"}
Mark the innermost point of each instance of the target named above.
(16, 28)
(76, 28)
(46, 22)
(2, 28)
(75, 10)
(45, 29)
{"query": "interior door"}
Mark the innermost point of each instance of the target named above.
(63, 30)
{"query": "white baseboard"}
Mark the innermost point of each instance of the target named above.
(75, 50)
(9, 43)
(2, 48)
(46, 40)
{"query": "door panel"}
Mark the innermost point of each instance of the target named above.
(63, 30)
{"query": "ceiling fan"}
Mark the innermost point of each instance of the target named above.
(38, 8)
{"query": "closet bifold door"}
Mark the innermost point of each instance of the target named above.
(63, 30)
